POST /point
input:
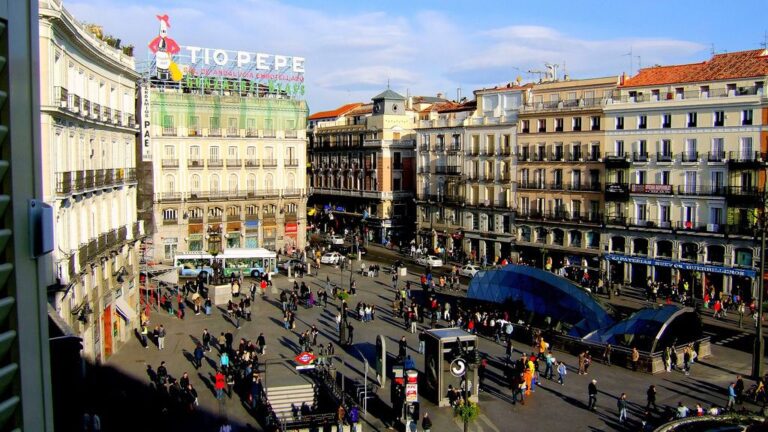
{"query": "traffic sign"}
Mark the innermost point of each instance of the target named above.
(305, 358)
(458, 367)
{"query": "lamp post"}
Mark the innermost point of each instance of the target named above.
(758, 354)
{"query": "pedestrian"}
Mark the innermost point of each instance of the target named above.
(261, 341)
(350, 333)
(198, 357)
(206, 339)
(422, 341)
(621, 404)
(162, 374)
(220, 384)
(481, 373)
(426, 423)
(224, 360)
(635, 358)
(682, 410)
(144, 333)
(592, 392)
(161, 337)
(739, 387)
(731, 397)
(402, 348)
(651, 398)
(607, 354)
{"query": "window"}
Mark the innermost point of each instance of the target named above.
(641, 212)
(688, 216)
(233, 183)
(194, 182)
(641, 177)
(577, 123)
(664, 214)
(594, 123)
(215, 183)
(619, 147)
(232, 152)
(170, 246)
(170, 152)
(194, 152)
(719, 118)
(213, 153)
(214, 123)
(692, 116)
(619, 123)
(526, 124)
(170, 184)
(664, 177)
(715, 215)
(194, 121)
(170, 214)
(542, 125)
(558, 125)
(642, 122)
(666, 121)
(704, 90)
(746, 117)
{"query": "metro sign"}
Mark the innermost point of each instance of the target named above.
(305, 358)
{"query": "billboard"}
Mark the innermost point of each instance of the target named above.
(217, 69)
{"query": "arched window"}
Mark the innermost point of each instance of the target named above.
(268, 182)
(251, 209)
(715, 254)
(558, 237)
(251, 183)
(664, 248)
(170, 215)
(525, 233)
(215, 212)
(170, 183)
(575, 237)
(640, 246)
(194, 183)
(233, 212)
(291, 181)
(215, 183)
(233, 182)
(618, 244)
(195, 213)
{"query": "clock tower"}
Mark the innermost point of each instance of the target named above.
(389, 103)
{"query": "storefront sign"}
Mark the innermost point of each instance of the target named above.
(291, 228)
(411, 392)
(731, 271)
(651, 188)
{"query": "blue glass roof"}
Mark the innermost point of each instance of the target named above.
(544, 294)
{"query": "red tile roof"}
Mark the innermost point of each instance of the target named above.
(742, 64)
(450, 106)
(344, 109)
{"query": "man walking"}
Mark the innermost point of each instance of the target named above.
(592, 391)
(198, 356)
(161, 337)
(651, 397)
(350, 333)
(206, 340)
(731, 397)
(621, 404)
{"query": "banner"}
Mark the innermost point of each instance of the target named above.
(682, 265)
(145, 122)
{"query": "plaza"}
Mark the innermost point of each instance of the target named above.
(550, 407)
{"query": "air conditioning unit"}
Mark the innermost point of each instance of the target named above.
(713, 227)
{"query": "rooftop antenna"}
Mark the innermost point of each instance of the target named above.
(712, 49)
(387, 83)
(764, 43)
(630, 59)
(565, 71)
(458, 94)
(639, 63)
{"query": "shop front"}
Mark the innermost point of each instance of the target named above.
(233, 234)
(270, 234)
(252, 234)
(291, 236)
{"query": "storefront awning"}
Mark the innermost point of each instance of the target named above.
(171, 277)
(124, 309)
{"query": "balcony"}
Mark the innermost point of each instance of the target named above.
(195, 163)
(665, 157)
(86, 110)
(699, 227)
(539, 156)
(640, 157)
(742, 229)
(523, 157)
(95, 111)
(233, 132)
(169, 131)
(169, 196)
(214, 132)
(424, 148)
(131, 121)
(594, 156)
(530, 185)
(268, 163)
(268, 133)
(472, 152)
(193, 131)
(586, 187)
(234, 163)
(447, 170)
(557, 156)
(689, 157)
(691, 94)
(746, 160)
(575, 157)
(118, 118)
(170, 163)
(701, 190)
(107, 114)
(74, 104)
(743, 196)
(556, 186)
(291, 134)
(716, 156)
(291, 162)
(215, 163)
(616, 160)
(294, 192)
(60, 97)
(453, 149)
(251, 133)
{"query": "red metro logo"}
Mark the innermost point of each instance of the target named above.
(305, 358)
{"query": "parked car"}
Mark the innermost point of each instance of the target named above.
(429, 260)
(330, 258)
(284, 265)
(336, 239)
(469, 270)
(344, 250)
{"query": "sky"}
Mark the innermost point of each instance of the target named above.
(353, 48)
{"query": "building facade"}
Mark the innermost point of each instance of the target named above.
(87, 95)
(363, 166)
(440, 186)
(228, 170)
(685, 156)
(560, 172)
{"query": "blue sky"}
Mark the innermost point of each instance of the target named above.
(424, 47)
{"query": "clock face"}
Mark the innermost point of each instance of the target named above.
(377, 107)
(394, 107)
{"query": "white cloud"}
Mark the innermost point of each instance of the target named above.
(350, 56)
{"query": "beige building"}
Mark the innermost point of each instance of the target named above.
(87, 95)
(685, 159)
(228, 170)
(363, 166)
(560, 171)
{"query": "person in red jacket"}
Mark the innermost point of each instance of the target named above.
(220, 385)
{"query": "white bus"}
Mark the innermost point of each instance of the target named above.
(249, 262)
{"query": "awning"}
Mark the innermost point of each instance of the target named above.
(171, 277)
(124, 309)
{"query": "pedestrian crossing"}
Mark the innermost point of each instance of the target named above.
(723, 341)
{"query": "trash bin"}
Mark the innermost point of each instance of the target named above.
(402, 271)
